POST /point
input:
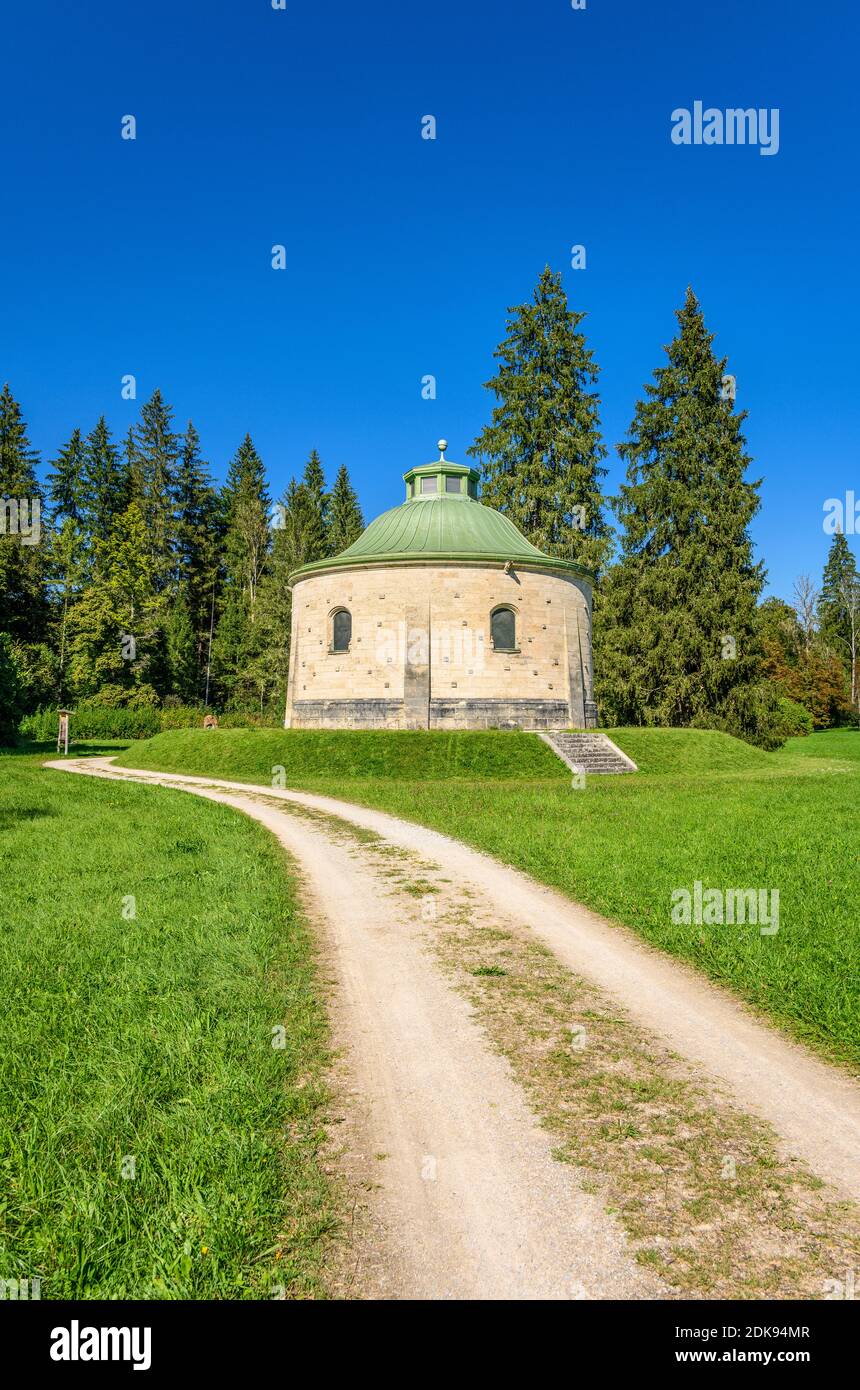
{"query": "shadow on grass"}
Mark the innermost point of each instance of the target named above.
(82, 748)
(9, 819)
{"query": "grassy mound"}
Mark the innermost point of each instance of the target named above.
(251, 754)
(689, 751)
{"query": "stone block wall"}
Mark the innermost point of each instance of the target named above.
(421, 655)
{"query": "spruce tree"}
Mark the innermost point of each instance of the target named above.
(156, 453)
(541, 456)
(23, 590)
(314, 510)
(839, 610)
(133, 466)
(246, 506)
(246, 513)
(198, 542)
(345, 521)
(840, 573)
(676, 635)
(66, 486)
(107, 489)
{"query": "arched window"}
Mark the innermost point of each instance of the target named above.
(503, 629)
(341, 630)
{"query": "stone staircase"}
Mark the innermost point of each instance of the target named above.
(589, 752)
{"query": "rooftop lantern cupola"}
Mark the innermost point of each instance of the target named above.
(442, 478)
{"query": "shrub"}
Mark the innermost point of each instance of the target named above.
(183, 717)
(751, 712)
(796, 720)
(109, 696)
(93, 721)
(242, 719)
(105, 717)
(143, 697)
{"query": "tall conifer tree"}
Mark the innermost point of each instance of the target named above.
(840, 573)
(314, 507)
(66, 485)
(107, 489)
(346, 522)
(676, 636)
(542, 454)
(23, 591)
(839, 609)
(198, 546)
(156, 453)
(246, 506)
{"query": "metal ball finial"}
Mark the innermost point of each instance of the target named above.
(442, 446)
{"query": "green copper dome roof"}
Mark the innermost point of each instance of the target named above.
(441, 519)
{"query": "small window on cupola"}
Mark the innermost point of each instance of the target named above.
(429, 484)
(452, 484)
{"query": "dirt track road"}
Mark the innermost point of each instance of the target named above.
(470, 1202)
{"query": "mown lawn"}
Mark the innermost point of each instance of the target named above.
(153, 1142)
(305, 753)
(704, 807)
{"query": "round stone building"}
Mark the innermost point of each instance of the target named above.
(441, 616)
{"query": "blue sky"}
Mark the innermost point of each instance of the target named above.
(302, 127)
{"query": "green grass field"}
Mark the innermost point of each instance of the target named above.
(153, 1141)
(703, 807)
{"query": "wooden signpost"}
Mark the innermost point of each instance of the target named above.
(63, 732)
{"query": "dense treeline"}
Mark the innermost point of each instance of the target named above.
(151, 588)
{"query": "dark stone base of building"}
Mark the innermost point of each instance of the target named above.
(499, 714)
(347, 714)
(439, 714)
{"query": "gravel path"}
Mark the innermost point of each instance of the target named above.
(471, 1203)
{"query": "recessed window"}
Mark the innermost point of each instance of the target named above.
(428, 484)
(452, 484)
(503, 629)
(341, 630)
